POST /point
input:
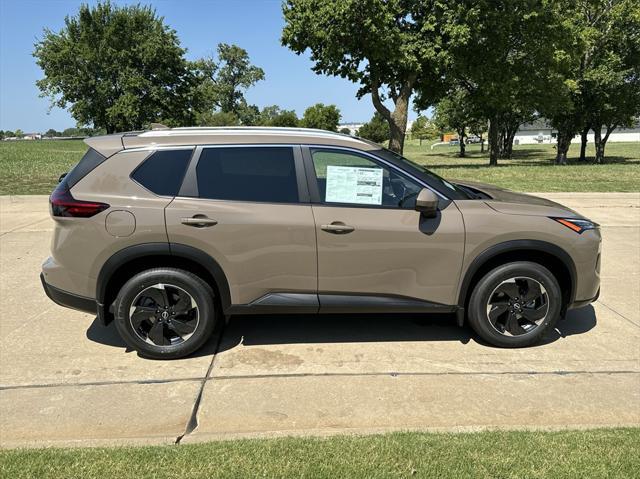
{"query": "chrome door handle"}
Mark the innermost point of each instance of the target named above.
(337, 228)
(199, 221)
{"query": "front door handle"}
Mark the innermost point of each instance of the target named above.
(337, 228)
(199, 221)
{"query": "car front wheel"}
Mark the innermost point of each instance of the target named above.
(515, 304)
(165, 313)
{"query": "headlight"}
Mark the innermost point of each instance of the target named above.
(577, 225)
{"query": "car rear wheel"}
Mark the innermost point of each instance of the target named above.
(515, 305)
(165, 313)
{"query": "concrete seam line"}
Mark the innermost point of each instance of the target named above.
(397, 374)
(621, 315)
(192, 423)
(97, 383)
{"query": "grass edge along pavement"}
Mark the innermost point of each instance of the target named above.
(605, 453)
(33, 167)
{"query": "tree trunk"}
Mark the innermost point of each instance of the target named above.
(494, 143)
(562, 146)
(481, 144)
(583, 143)
(398, 118)
(461, 143)
(601, 141)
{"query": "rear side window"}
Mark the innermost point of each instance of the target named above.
(163, 171)
(264, 174)
(89, 161)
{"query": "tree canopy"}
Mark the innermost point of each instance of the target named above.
(376, 129)
(116, 68)
(387, 47)
(321, 116)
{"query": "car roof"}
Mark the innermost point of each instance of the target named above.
(111, 144)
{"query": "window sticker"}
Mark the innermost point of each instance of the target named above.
(347, 184)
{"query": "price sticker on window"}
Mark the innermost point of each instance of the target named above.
(346, 184)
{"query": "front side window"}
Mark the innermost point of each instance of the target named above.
(264, 174)
(349, 178)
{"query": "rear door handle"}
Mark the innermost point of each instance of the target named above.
(337, 228)
(199, 221)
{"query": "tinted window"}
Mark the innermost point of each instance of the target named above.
(265, 174)
(348, 178)
(89, 161)
(163, 171)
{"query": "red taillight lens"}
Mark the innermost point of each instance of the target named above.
(63, 204)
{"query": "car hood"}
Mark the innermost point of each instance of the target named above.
(514, 203)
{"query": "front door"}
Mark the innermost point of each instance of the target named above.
(243, 206)
(372, 244)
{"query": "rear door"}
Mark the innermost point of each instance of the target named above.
(374, 250)
(248, 208)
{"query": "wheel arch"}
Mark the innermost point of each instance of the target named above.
(549, 255)
(134, 259)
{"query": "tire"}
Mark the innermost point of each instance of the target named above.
(510, 286)
(178, 310)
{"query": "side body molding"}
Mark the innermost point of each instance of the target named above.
(173, 250)
(514, 246)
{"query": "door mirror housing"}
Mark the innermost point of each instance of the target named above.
(427, 203)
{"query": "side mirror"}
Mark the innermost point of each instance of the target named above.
(427, 203)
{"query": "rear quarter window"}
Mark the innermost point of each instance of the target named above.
(89, 161)
(163, 171)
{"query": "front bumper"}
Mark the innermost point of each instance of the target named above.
(69, 300)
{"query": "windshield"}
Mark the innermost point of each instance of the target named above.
(451, 189)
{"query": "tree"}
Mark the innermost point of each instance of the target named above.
(274, 116)
(345, 131)
(51, 133)
(9, 134)
(19, 133)
(496, 53)
(321, 116)
(423, 129)
(455, 112)
(115, 68)
(221, 83)
(377, 129)
(603, 86)
(387, 47)
(219, 118)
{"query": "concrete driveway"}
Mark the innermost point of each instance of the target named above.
(65, 380)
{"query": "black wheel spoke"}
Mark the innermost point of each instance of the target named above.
(142, 313)
(184, 303)
(497, 310)
(534, 314)
(157, 334)
(510, 289)
(158, 295)
(182, 327)
(513, 325)
(532, 291)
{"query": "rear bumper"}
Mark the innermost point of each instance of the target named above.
(69, 300)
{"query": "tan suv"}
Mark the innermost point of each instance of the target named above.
(168, 231)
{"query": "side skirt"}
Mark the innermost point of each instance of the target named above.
(304, 303)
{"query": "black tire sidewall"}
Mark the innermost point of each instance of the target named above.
(477, 313)
(192, 284)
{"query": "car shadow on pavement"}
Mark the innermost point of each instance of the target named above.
(346, 328)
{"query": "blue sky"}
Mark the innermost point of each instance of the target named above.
(255, 25)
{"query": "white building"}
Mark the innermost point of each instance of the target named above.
(540, 131)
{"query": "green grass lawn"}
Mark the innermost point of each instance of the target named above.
(532, 168)
(604, 453)
(33, 167)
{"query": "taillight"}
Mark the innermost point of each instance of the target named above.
(65, 205)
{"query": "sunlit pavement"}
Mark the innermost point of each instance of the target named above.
(65, 380)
